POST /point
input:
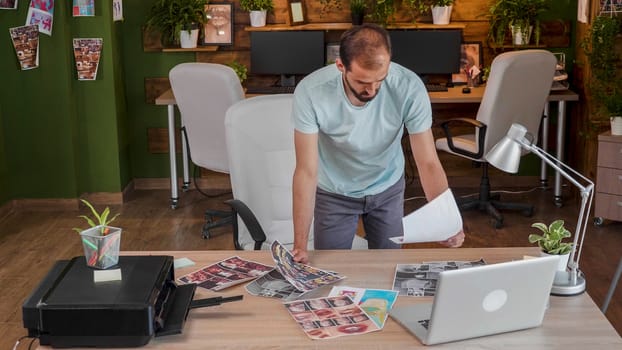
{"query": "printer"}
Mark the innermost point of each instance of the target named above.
(69, 309)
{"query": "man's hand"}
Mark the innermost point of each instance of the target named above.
(300, 255)
(454, 241)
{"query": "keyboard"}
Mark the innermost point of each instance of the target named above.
(435, 87)
(270, 89)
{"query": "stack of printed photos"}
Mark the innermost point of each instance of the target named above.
(226, 273)
(420, 280)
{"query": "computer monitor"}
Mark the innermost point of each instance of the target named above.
(287, 53)
(427, 51)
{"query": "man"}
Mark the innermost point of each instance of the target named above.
(349, 119)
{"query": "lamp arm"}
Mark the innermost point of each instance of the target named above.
(587, 192)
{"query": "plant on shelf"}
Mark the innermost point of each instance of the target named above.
(171, 17)
(240, 70)
(605, 84)
(383, 11)
(551, 239)
(256, 5)
(357, 10)
(519, 16)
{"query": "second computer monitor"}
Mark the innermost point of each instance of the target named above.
(427, 51)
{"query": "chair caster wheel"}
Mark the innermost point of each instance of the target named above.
(205, 233)
(598, 221)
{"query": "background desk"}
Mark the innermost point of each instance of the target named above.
(259, 322)
(453, 95)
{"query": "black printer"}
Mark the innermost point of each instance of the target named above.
(69, 309)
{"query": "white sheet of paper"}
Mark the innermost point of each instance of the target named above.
(436, 221)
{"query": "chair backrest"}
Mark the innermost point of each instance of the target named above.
(203, 93)
(516, 91)
(260, 142)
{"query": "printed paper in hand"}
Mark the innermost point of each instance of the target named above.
(436, 221)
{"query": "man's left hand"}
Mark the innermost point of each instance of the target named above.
(454, 241)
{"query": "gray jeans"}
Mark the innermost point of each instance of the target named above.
(336, 218)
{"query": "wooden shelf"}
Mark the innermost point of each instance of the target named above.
(210, 48)
(346, 26)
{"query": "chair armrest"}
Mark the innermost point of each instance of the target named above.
(480, 140)
(250, 220)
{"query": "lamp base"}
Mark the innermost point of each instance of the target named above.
(564, 286)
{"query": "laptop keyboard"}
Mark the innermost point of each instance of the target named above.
(436, 87)
(424, 323)
(270, 89)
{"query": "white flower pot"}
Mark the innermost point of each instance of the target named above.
(258, 18)
(616, 125)
(189, 38)
(563, 260)
(441, 14)
(517, 35)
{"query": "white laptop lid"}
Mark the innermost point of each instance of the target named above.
(484, 300)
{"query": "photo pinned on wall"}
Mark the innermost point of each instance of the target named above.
(8, 4)
(471, 55)
(83, 8)
(87, 52)
(332, 53)
(40, 18)
(117, 10)
(26, 43)
(43, 5)
(219, 27)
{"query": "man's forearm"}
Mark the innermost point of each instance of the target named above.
(303, 203)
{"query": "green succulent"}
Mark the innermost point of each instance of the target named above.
(256, 5)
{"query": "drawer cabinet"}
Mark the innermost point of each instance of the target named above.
(608, 203)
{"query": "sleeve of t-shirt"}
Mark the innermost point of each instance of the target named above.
(417, 108)
(303, 114)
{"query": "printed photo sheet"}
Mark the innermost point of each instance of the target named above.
(26, 43)
(226, 273)
(331, 317)
(420, 280)
(375, 302)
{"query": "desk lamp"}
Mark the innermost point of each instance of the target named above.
(505, 155)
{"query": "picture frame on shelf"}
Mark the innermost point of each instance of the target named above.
(470, 54)
(296, 12)
(332, 53)
(218, 30)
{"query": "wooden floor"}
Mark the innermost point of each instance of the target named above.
(31, 241)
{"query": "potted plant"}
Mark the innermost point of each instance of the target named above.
(357, 11)
(178, 21)
(240, 70)
(521, 17)
(605, 82)
(258, 10)
(101, 242)
(441, 11)
(551, 241)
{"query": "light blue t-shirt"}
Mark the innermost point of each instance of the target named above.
(360, 150)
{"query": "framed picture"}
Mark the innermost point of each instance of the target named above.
(296, 10)
(332, 53)
(219, 27)
(8, 4)
(470, 55)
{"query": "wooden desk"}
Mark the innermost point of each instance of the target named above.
(453, 95)
(259, 322)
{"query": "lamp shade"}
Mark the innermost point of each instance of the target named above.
(505, 155)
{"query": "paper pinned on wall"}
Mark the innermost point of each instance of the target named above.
(117, 10)
(582, 11)
(436, 221)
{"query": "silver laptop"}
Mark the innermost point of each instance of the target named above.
(482, 300)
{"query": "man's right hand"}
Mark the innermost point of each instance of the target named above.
(300, 255)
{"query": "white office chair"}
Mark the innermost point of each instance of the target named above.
(260, 141)
(204, 92)
(516, 92)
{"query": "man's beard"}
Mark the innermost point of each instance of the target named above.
(362, 97)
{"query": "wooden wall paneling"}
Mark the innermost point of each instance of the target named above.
(555, 33)
(155, 87)
(157, 140)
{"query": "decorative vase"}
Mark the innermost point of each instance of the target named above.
(563, 260)
(357, 18)
(441, 14)
(101, 246)
(189, 38)
(258, 18)
(520, 36)
(616, 125)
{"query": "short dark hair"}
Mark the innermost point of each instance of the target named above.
(363, 42)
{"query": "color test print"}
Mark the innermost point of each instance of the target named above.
(87, 53)
(26, 43)
(226, 273)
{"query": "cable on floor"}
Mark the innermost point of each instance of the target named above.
(491, 192)
(22, 338)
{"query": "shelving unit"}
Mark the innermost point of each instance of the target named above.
(346, 26)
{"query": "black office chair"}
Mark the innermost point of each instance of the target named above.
(516, 92)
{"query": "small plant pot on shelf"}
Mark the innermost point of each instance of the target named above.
(441, 14)
(258, 18)
(616, 125)
(521, 36)
(188, 39)
(101, 246)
